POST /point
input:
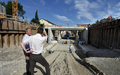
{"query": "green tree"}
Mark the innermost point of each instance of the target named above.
(8, 7)
(102, 19)
(41, 25)
(97, 21)
(112, 19)
(36, 19)
(33, 20)
(2, 3)
(21, 12)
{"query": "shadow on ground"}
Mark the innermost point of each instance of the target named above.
(105, 53)
(38, 67)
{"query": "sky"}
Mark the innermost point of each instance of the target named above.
(72, 12)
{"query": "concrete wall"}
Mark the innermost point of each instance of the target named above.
(105, 35)
(85, 35)
(12, 32)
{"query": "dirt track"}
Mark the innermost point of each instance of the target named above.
(12, 62)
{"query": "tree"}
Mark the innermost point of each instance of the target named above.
(33, 20)
(2, 3)
(112, 19)
(21, 12)
(36, 19)
(102, 19)
(8, 7)
(36, 16)
(41, 25)
(97, 21)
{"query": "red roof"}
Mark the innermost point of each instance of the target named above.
(84, 25)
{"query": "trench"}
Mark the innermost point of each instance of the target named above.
(82, 56)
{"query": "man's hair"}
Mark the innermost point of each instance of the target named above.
(40, 30)
(26, 30)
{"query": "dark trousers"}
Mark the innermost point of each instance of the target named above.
(27, 65)
(40, 59)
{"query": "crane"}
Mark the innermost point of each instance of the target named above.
(15, 9)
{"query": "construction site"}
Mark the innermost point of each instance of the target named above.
(95, 49)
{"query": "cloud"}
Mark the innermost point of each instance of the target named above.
(93, 10)
(68, 1)
(84, 8)
(118, 4)
(100, 1)
(42, 1)
(63, 18)
(109, 10)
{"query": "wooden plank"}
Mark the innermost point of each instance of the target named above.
(4, 24)
(10, 25)
(1, 43)
(12, 40)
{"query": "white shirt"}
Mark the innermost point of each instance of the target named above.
(26, 45)
(25, 37)
(36, 43)
(70, 47)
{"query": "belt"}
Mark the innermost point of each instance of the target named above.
(36, 54)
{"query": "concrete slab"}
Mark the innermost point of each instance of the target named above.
(91, 51)
(106, 60)
(109, 66)
(87, 48)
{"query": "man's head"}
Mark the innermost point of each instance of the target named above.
(28, 31)
(40, 30)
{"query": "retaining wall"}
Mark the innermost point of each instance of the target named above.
(12, 32)
(105, 35)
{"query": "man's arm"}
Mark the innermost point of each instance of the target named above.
(45, 34)
(23, 47)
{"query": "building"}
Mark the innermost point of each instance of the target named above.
(83, 25)
(2, 11)
(46, 23)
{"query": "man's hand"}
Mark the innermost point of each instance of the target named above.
(29, 51)
(45, 34)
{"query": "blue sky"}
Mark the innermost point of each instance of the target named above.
(74, 12)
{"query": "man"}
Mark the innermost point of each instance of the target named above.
(36, 47)
(70, 48)
(27, 35)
